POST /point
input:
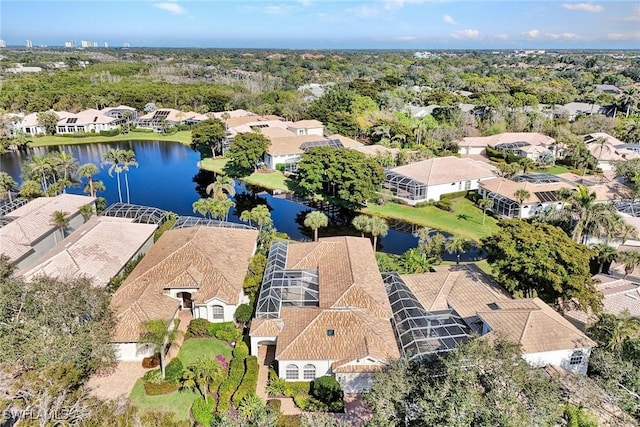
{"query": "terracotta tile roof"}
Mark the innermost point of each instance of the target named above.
(443, 170)
(98, 249)
(32, 222)
(356, 335)
(530, 322)
(266, 327)
(291, 144)
(374, 150)
(508, 137)
(264, 127)
(215, 259)
(507, 188)
(536, 327)
(275, 132)
(242, 120)
(346, 141)
(351, 368)
(618, 295)
(306, 124)
(175, 115)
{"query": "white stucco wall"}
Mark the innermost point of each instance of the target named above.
(131, 351)
(559, 358)
(323, 367)
(354, 382)
(256, 341)
(472, 150)
(435, 192)
(205, 311)
(272, 160)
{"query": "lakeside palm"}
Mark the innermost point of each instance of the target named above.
(88, 170)
(314, 220)
(112, 159)
(7, 184)
(457, 245)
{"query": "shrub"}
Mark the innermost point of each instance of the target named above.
(424, 204)
(243, 313)
(173, 370)
(249, 381)
(289, 421)
(274, 405)
(454, 195)
(112, 132)
(326, 389)
(241, 350)
(297, 387)
(151, 362)
(202, 411)
(228, 335)
(199, 328)
(301, 401)
(154, 376)
(280, 167)
(445, 205)
(229, 386)
(157, 388)
(277, 386)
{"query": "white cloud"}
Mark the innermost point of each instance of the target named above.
(276, 9)
(171, 7)
(449, 20)
(635, 17)
(305, 3)
(623, 36)
(406, 38)
(398, 4)
(532, 33)
(466, 34)
(585, 7)
(364, 11)
(565, 36)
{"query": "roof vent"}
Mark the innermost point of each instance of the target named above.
(330, 332)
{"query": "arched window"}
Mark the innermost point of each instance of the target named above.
(217, 312)
(309, 372)
(291, 373)
(577, 358)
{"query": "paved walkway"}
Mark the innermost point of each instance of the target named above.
(264, 361)
(118, 383)
(355, 411)
(185, 317)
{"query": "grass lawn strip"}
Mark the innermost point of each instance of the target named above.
(182, 137)
(465, 220)
(179, 402)
(273, 180)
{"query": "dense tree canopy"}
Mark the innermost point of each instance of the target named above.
(207, 137)
(245, 153)
(347, 175)
(541, 260)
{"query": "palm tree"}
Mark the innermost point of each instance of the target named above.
(604, 254)
(247, 217)
(112, 159)
(127, 115)
(87, 171)
(64, 164)
(457, 245)
(7, 184)
(379, 227)
(314, 220)
(526, 164)
(630, 99)
(200, 374)
(221, 187)
(588, 217)
(86, 211)
(157, 335)
(485, 204)
(261, 215)
(61, 220)
(630, 259)
(127, 158)
(616, 331)
(201, 206)
(521, 195)
(41, 166)
(362, 223)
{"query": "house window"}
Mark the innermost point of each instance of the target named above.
(577, 358)
(217, 312)
(291, 373)
(467, 185)
(309, 372)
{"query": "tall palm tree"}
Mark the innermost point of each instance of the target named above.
(7, 184)
(127, 115)
(41, 166)
(87, 171)
(201, 206)
(314, 220)
(221, 187)
(261, 215)
(379, 227)
(616, 331)
(61, 220)
(630, 259)
(158, 335)
(604, 254)
(527, 164)
(630, 99)
(64, 164)
(127, 158)
(457, 245)
(246, 217)
(485, 204)
(521, 195)
(362, 223)
(586, 217)
(112, 159)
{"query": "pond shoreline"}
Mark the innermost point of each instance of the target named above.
(181, 137)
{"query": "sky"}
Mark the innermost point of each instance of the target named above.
(326, 24)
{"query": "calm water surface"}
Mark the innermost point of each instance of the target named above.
(168, 178)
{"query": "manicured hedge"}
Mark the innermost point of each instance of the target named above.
(229, 386)
(173, 370)
(249, 381)
(203, 411)
(241, 350)
(454, 195)
(289, 421)
(294, 388)
(157, 388)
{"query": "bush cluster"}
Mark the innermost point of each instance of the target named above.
(151, 362)
(162, 387)
(249, 382)
(445, 205)
(289, 421)
(274, 405)
(294, 388)
(454, 195)
(229, 386)
(203, 411)
(173, 370)
(225, 331)
(424, 204)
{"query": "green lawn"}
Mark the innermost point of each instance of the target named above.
(183, 137)
(197, 347)
(466, 220)
(554, 170)
(179, 402)
(272, 180)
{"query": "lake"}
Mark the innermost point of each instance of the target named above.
(168, 178)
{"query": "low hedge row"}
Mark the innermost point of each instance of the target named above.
(229, 386)
(454, 195)
(294, 388)
(249, 381)
(225, 331)
(162, 387)
(203, 411)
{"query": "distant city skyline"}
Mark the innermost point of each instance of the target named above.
(315, 24)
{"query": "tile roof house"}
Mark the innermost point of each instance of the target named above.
(99, 250)
(619, 295)
(430, 179)
(200, 268)
(608, 149)
(455, 302)
(30, 125)
(522, 144)
(29, 232)
(163, 118)
(323, 305)
(90, 120)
